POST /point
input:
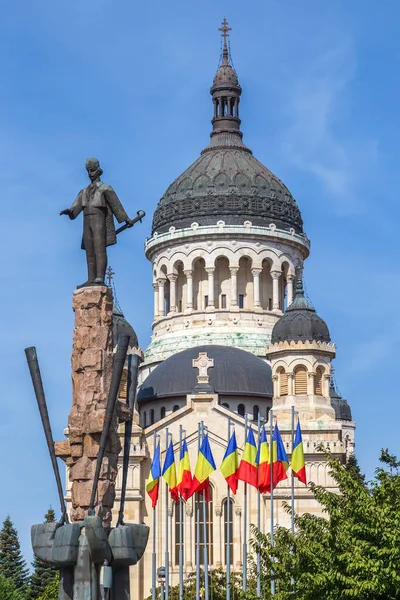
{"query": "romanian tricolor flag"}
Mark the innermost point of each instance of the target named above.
(153, 481)
(230, 464)
(169, 472)
(263, 463)
(280, 462)
(204, 467)
(247, 471)
(184, 474)
(298, 463)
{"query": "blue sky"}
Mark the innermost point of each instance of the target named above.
(129, 83)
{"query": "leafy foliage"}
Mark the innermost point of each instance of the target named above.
(217, 586)
(8, 591)
(353, 553)
(51, 591)
(12, 564)
(43, 573)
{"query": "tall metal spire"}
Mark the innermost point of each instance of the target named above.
(225, 51)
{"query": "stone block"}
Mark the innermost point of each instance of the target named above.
(92, 358)
(81, 492)
(91, 445)
(83, 469)
(62, 449)
(76, 450)
(124, 413)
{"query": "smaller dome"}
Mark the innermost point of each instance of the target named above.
(122, 327)
(300, 322)
(225, 74)
(339, 405)
(235, 373)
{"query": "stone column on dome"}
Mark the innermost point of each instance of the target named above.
(275, 289)
(189, 290)
(172, 292)
(290, 380)
(256, 286)
(310, 386)
(326, 381)
(289, 286)
(155, 288)
(161, 296)
(210, 272)
(234, 271)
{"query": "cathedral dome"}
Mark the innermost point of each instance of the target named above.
(122, 327)
(339, 404)
(226, 182)
(235, 373)
(300, 322)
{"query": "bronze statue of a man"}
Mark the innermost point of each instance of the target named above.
(100, 204)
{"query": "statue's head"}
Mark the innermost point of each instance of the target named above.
(93, 168)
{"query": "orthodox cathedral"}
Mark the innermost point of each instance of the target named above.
(227, 250)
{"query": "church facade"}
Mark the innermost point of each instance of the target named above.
(227, 251)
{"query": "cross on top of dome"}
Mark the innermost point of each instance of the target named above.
(203, 363)
(225, 35)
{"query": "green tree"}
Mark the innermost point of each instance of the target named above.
(12, 564)
(353, 553)
(43, 573)
(8, 591)
(51, 591)
(217, 586)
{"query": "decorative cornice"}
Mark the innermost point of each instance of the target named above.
(300, 346)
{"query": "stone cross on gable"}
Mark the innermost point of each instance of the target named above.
(203, 363)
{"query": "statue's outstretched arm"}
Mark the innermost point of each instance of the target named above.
(115, 205)
(76, 207)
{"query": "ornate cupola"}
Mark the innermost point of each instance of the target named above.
(226, 92)
(301, 352)
(227, 236)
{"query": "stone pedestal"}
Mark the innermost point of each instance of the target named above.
(92, 361)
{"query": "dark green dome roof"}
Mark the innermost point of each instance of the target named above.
(339, 404)
(300, 322)
(226, 182)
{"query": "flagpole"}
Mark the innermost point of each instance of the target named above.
(245, 519)
(205, 554)
(154, 555)
(271, 473)
(197, 523)
(258, 516)
(180, 526)
(166, 527)
(228, 531)
(292, 471)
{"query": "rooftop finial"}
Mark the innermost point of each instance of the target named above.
(225, 29)
(299, 281)
(110, 276)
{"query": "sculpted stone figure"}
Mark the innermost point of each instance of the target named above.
(99, 204)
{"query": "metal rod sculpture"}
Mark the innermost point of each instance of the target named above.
(133, 371)
(34, 369)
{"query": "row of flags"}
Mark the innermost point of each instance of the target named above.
(254, 467)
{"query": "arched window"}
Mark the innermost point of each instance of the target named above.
(228, 523)
(300, 380)
(198, 504)
(283, 383)
(255, 412)
(225, 405)
(241, 410)
(267, 413)
(144, 419)
(162, 412)
(152, 416)
(176, 407)
(318, 382)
